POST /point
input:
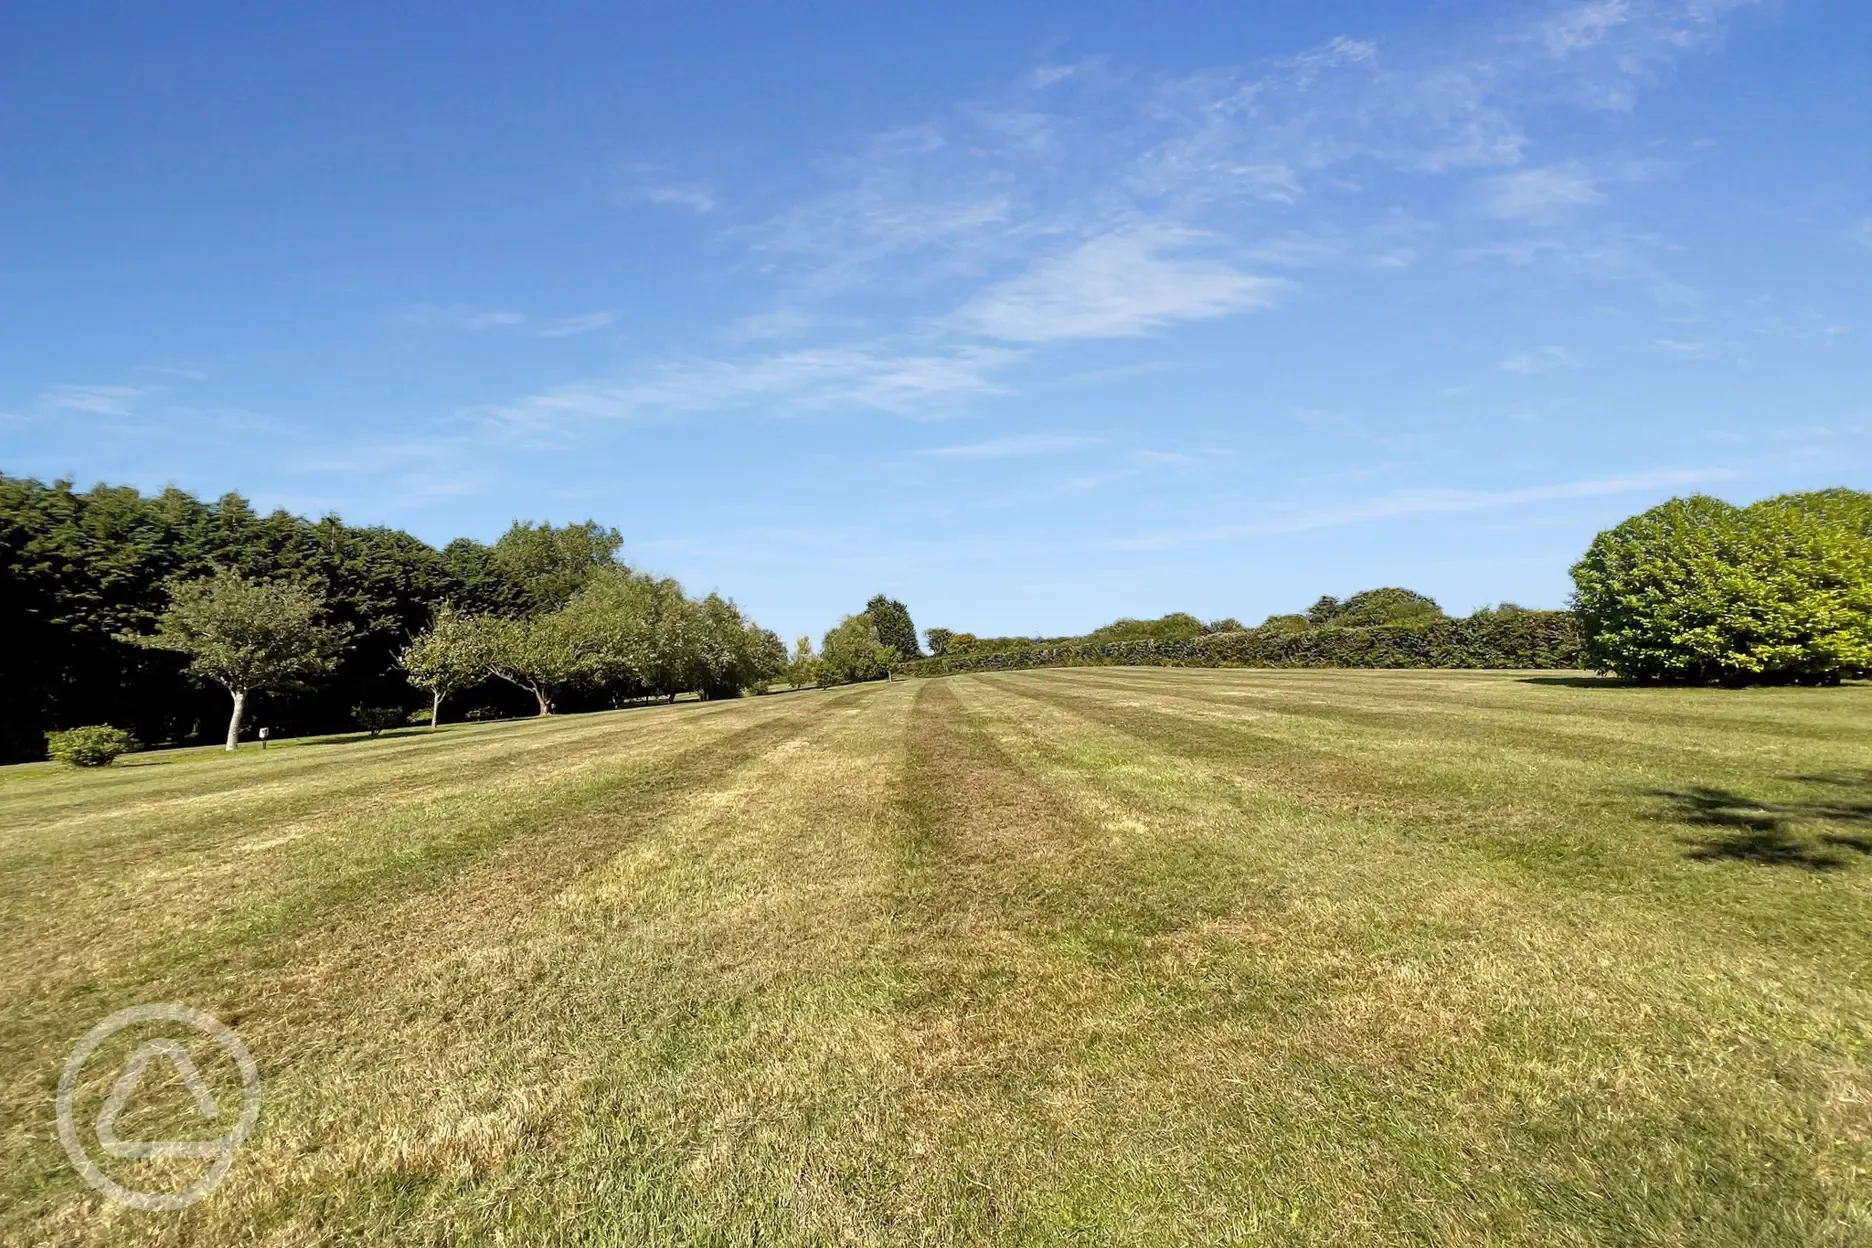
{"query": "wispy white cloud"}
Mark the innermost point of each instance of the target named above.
(568, 326)
(652, 184)
(1085, 203)
(786, 322)
(694, 196)
(1862, 233)
(899, 380)
(1117, 286)
(1539, 360)
(1538, 195)
(94, 400)
(1433, 502)
(458, 316)
(1686, 349)
(1583, 27)
(1021, 445)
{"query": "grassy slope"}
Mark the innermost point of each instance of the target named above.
(1105, 956)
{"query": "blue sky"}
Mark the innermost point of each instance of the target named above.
(1032, 315)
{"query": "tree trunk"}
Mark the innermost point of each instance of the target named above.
(234, 721)
(435, 708)
(545, 707)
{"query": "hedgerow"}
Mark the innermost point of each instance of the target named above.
(1522, 639)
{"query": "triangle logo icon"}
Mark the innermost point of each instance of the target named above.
(126, 1087)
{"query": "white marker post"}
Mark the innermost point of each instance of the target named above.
(263, 738)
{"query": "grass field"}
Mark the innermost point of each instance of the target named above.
(1095, 956)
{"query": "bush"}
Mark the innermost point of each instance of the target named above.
(96, 746)
(1696, 591)
(374, 719)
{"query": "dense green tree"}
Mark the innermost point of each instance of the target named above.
(892, 621)
(853, 652)
(477, 583)
(246, 636)
(1696, 590)
(552, 564)
(940, 640)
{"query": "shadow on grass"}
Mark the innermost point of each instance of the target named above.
(352, 738)
(1812, 835)
(1582, 682)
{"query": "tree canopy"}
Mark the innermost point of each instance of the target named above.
(1696, 590)
(892, 621)
(853, 652)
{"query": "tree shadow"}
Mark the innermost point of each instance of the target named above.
(1811, 835)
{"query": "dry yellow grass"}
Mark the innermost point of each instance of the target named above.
(1110, 956)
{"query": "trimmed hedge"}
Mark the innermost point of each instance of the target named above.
(1526, 639)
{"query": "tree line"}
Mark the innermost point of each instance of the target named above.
(169, 617)
(1693, 591)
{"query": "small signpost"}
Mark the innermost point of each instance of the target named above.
(263, 738)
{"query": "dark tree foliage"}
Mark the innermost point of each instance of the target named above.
(892, 621)
(79, 568)
(1323, 611)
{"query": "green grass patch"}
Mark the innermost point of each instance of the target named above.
(1113, 956)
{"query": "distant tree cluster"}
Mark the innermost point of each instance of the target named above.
(168, 617)
(619, 636)
(1699, 591)
(864, 646)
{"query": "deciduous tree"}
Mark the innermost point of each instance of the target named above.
(246, 636)
(446, 658)
(854, 652)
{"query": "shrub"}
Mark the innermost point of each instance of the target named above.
(374, 719)
(1697, 591)
(95, 746)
